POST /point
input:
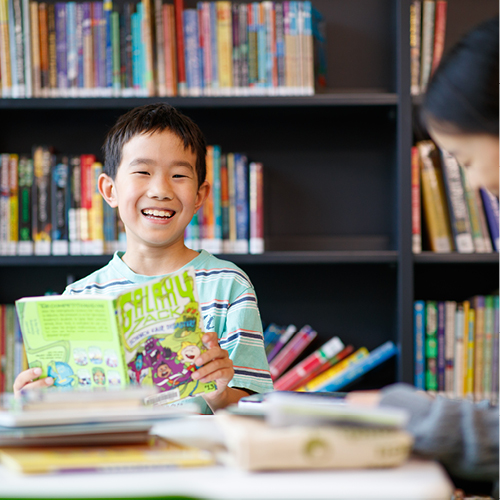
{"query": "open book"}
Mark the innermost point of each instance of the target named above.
(148, 335)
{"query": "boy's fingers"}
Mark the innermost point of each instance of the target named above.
(217, 375)
(26, 377)
(213, 366)
(211, 354)
(210, 340)
(38, 384)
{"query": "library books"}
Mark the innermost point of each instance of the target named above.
(427, 37)
(447, 212)
(50, 205)
(147, 48)
(456, 347)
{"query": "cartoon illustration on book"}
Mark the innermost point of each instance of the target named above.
(148, 335)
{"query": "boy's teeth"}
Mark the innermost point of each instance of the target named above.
(158, 213)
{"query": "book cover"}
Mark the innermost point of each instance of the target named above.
(415, 32)
(148, 335)
(431, 346)
(296, 376)
(427, 47)
(490, 204)
(441, 364)
(439, 33)
(419, 346)
(42, 227)
(433, 198)
(25, 176)
(60, 205)
(291, 351)
(459, 215)
(478, 302)
(256, 195)
(449, 346)
(416, 208)
(356, 370)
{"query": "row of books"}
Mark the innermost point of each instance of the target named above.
(456, 347)
(329, 368)
(96, 49)
(457, 216)
(50, 204)
(427, 36)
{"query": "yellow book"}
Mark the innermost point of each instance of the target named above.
(96, 213)
(225, 46)
(322, 378)
(434, 199)
(5, 62)
(157, 453)
(14, 204)
(470, 319)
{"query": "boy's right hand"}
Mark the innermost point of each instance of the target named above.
(27, 380)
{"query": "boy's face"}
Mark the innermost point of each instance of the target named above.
(155, 190)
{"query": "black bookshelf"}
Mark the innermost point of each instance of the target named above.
(337, 185)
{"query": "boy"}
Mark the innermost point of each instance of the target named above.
(154, 174)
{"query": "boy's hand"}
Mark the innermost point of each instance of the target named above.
(27, 380)
(214, 365)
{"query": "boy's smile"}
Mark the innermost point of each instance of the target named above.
(156, 191)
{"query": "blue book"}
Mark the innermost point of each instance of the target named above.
(294, 33)
(419, 347)
(71, 43)
(80, 16)
(108, 10)
(135, 53)
(214, 56)
(441, 364)
(61, 48)
(141, 48)
(261, 48)
(216, 189)
(272, 334)
(490, 203)
(356, 370)
(192, 51)
(241, 202)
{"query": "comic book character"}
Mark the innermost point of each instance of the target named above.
(137, 370)
(83, 378)
(114, 379)
(80, 357)
(110, 358)
(187, 355)
(98, 375)
(62, 374)
(95, 355)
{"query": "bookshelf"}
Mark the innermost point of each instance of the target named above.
(337, 185)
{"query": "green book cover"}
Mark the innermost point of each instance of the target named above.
(148, 335)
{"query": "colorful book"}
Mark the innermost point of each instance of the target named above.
(459, 354)
(489, 325)
(470, 319)
(441, 364)
(490, 204)
(431, 346)
(296, 376)
(281, 342)
(51, 23)
(415, 32)
(225, 47)
(416, 209)
(242, 216)
(439, 33)
(419, 345)
(60, 206)
(61, 49)
(74, 210)
(4, 204)
(291, 351)
(105, 341)
(25, 179)
(14, 204)
(449, 346)
(478, 303)
(256, 213)
(42, 227)
(494, 362)
(192, 53)
(20, 60)
(482, 221)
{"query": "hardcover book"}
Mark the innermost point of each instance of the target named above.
(147, 335)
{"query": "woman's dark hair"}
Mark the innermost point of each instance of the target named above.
(148, 120)
(462, 95)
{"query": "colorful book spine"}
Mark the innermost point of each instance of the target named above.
(282, 340)
(482, 221)
(159, 35)
(431, 346)
(116, 52)
(236, 49)
(256, 195)
(192, 53)
(419, 332)
(148, 39)
(261, 49)
(357, 370)
(214, 44)
(291, 351)
(44, 48)
(51, 22)
(225, 47)
(469, 368)
(88, 66)
(4, 204)
(243, 46)
(206, 46)
(60, 201)
(170, 50)
(224, 201)
(296, 375)
(308, 49)
(441, 364)
(217, 207)
(72, 62)
(206, 217)
(252, 50)
(241, 203)
(86, 162)
(61, 48)
(25, 245)
(479, 334)
(439, 33)
(416, 209)
(96, 212)
(179, 33)
(14, 204)
(449, 346)
(230, 243)
(415, 23)
(459, 354)
(42, 162)
(280, 47)
(491, 210)
(107, 83)
(80, 82)
(271, 335)
(13, 48)
(35, 54)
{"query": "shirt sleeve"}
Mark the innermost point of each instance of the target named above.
(462, 435)
(244, 341)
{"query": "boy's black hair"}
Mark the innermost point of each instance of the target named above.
(149, 119)
(462, 95)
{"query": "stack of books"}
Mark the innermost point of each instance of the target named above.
(456, 347)
(51, 205)
(146, 48)
(457, 216)
(427, 37)
(329, 368)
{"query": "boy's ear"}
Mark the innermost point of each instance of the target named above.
(203, 192)
(107, 189)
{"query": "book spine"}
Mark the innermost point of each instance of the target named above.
(415, 23)
(252, 49)
(256, 185)
(206, 47)
(419, 333)
(295, 53)
(207, 212)
(5, 54)
(13, 48)
(243, 39)
(59, 192)
(13, 204)
(25, 246)
(428, 18)
(283, 339)
(479, 361)
(116, 53)
(86, 162)
(72, 49)
(80, 82)
(225, 47)
(35, 53)
(271, 335)
(26, 32)
(88, 44)
(42, 161)
(491, 209)
(179, 33)
(458, 364)
(313, 361)
(61, 49)
(261, 49)
(44, 48)
(280, 47)
(356, 370)
(470, 368)
(147, 28)
(482, 221)
(236, 61)
(441, 364)
(439, 33)
(9, 347)
(192, 53)
(214, 53)
(269, 31)
(308, 49)
(231, 244)
(431, 346)
(4, 204)
(489, 322)
(168, 63)
(52, 50)
(241, 200)
(19, 43)
(416, 209)
(126, 47)
(291, 351)
(459, 214)
(494, 361)
(449, 346)
(74, 216)
(108, 47)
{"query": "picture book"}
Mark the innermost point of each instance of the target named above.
(148, 335)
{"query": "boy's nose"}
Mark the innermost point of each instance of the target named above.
(160, 189)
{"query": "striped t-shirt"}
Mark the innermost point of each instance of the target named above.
(228, 304)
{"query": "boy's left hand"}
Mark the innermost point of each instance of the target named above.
(214, 365)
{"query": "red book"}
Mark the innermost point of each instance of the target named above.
(86, 162)
(291, 351)
(2, 349)
(416, 220)
(170, 50)
(179, 34)
(293, 379)
(439, 32)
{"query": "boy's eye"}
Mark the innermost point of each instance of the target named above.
(142, 172)
(177, 176)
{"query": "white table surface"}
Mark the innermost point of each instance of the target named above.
(416, 479)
